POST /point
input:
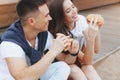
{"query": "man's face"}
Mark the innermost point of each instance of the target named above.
(42, 21)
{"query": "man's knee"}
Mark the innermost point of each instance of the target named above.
(64, 66)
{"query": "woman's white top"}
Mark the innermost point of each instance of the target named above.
(77, 32)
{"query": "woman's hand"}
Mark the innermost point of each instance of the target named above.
(74, 47)
(100, 20)
(91, 32)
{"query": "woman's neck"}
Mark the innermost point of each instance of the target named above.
(71, 25)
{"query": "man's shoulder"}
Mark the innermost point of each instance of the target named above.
(10, 49)
(9, 44)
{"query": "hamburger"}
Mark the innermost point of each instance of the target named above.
(100, 20)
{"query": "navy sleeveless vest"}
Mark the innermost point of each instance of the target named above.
(15, 34)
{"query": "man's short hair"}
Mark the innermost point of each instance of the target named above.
(25, 7)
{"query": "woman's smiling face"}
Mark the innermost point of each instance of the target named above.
(70, 11)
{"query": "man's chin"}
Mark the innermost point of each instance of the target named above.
(46, 29)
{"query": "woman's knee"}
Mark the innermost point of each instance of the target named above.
(76, 73)
(74, 68)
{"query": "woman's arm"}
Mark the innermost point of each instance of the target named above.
(97, 44)
(89, 52)
(86, 54)
(72, 53)
(90, 34)
(69, 59)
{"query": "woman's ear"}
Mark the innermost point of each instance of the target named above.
(31, 21)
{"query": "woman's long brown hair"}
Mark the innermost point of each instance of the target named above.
(57, 24)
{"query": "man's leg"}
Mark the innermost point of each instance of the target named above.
(57, 71)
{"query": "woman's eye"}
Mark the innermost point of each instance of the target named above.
(73, 6)
(68, 10)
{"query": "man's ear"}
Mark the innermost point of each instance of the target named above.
(31, 21)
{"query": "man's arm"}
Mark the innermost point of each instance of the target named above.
(21, 71)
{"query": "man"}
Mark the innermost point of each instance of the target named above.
(23, 44)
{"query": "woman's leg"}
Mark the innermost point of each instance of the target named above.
(90, 72)
(56, 71)
(76, 73)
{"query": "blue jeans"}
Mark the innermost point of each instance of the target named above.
(56, 71)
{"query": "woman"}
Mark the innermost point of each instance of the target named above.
(66, 20)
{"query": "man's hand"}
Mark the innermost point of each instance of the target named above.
(60, 43)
